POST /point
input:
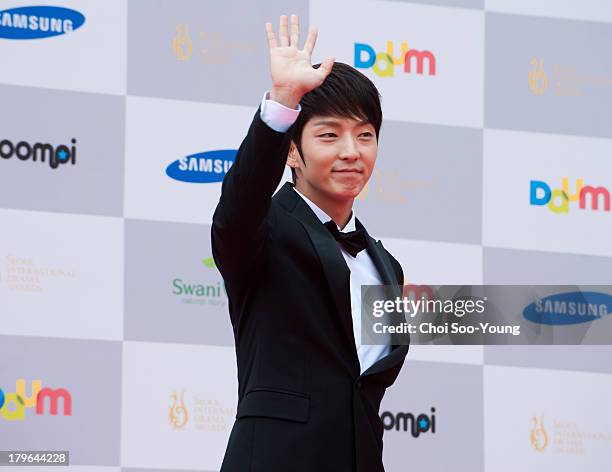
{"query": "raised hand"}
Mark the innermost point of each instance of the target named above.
(291, 68)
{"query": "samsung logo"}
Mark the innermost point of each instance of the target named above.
(569, 308)
(204, 167)
(38, 22)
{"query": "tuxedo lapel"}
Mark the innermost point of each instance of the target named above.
(337, 273)
(385, 269)
(379, 257)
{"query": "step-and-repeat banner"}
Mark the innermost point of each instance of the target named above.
(118, 121)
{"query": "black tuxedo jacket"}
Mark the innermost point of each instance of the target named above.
(302, 403)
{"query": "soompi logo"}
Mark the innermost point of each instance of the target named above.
(36, 22)
(383, 63)
(558, 199)
(13, 405)
(43, 152)
(407, 421)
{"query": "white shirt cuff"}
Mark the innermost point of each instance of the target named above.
(277, 116)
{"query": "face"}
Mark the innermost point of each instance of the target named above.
(339, 154)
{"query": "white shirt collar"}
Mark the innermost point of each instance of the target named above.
(324, 217)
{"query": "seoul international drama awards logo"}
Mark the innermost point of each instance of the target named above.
(178, 414)
(538, 80)
(538, 435)
(181, 43)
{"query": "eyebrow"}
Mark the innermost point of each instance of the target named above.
(336, 123)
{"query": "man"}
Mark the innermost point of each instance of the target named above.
(293, 262)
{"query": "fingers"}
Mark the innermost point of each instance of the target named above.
(283, 31)
(295, 31)
(311, 40)
(326, 66)
(293, 40)
(271, 37)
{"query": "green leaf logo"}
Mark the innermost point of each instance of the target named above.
(209, 262)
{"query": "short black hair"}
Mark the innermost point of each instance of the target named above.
(345, 93)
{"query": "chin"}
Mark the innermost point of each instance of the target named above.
(351, 191)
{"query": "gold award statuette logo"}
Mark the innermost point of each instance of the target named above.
(178, 414)
(181, 43)
(538, 435)
(538, 80)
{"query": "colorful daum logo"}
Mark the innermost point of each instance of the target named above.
(569, 308)
(13, 405)
(558, 199)
(402, 421)
(38, 22)
(39, 152)
(383, 63)
(204, 167)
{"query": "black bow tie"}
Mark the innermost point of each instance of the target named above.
(352, 241)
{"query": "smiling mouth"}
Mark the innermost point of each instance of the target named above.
(354, 171)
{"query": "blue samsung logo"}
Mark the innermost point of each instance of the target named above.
(569, 308)
(204, 167)
(38, 22)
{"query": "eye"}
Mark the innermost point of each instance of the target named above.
(367, 134)
(327, 135)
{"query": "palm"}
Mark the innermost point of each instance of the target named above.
(291, 68)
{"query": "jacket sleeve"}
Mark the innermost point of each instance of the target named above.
(240, 224)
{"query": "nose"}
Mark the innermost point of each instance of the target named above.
(349, 149)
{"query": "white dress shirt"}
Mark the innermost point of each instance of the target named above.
(362, 269)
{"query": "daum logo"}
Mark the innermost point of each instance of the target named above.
(13, 405)
(538, 435)
(558, 199)
(383, 63)
(204, 167)
(38, 22)
(569, 308)
(417, 425)
(39, 152)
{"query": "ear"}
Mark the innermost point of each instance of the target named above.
(293, 156)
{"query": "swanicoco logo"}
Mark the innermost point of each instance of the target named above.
(39, 152)
(212, 294)
(569, 308)
(202, 168)
(558, 199)
(383, 63)
(13, 405)
(409, 422)
(38, 22)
